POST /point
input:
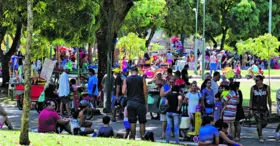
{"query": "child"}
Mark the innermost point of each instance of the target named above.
(126, 123)
(218, 107)
(106, 130)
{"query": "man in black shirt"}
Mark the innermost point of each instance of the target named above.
(260, 96)
(135, 88)
(117, 94)
(224, 59)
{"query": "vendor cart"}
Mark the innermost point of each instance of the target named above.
(36, 91)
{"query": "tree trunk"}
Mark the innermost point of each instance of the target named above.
(223, 38)
(90, 47)
(212, 39)
(24, 137)
(5, 59)
(112, 14)
(152, 33)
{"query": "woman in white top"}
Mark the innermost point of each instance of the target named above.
(213, 63)
(193, 98)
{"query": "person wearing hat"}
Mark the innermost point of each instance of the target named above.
(92, 85)
(136, 90)
(117, 94)
(64, 90)
(79, 125)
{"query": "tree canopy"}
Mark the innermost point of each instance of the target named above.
(264, 46)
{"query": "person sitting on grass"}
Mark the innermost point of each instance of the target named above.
(106, 130)
(208, 134)
(224, 137)
(85, 126)
(49, 120)
(4, 119)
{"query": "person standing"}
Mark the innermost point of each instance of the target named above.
(224, 59)
(208, 98)
(230, 107)
(135, 88)
(214, 84)
(117, 94)
(165, 90)
(239, 115)
(213, 63)
(173, 113)
(185, 74)
(260, 96)
(64, 90)
(92, 85)
(193, 98)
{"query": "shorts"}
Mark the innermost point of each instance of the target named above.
(64, 99)
(136, 111)
(126, 125)
(261, 117)
(163, 118)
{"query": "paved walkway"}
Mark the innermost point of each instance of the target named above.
(249, 136)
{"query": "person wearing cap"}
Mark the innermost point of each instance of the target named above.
(79, 121)
(117, 94)
(92, 85)
(64, 90)
(135, 88)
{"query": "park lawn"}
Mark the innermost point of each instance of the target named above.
(8, 138)
(273, 72)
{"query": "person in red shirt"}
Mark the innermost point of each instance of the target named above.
(179, 81)
(49, 120)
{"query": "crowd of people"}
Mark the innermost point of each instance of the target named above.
(219, 105)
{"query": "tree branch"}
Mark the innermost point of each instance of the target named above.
(16, 39)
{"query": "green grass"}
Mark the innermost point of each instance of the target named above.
(7, 101)
(9, 138)
(273, 72)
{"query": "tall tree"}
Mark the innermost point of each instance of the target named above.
(24, 137)
(11, 20)
(218, 20)
(145, 15)
(181, 18)
(112, 14)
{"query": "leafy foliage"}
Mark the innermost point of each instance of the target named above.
(264, 46)
(131, 45)
(144, 15)
(180, 18)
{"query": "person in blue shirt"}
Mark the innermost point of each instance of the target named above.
(106, 130)
(208, 134)
(92, 84)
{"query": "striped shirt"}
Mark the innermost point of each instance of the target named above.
(232, 100)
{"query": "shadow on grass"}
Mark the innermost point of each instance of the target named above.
(7, 101)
